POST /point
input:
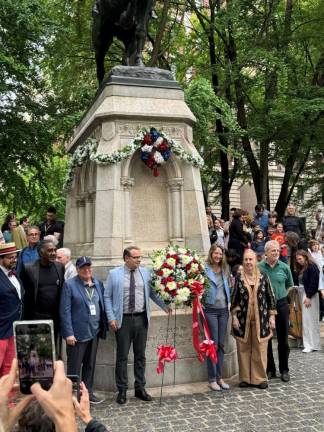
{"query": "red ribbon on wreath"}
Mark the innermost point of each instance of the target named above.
(166, 353)
(206, 348)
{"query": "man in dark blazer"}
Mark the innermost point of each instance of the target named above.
(83, 322)
(43, 281)
(11, 295)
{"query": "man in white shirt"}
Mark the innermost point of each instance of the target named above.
(63, 255)
(11, 294)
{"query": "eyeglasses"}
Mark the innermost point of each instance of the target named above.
(135, 257)
(33, 234)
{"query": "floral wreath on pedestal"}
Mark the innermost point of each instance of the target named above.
(155, 150)
(163, 148)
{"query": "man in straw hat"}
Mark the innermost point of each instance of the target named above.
(11, 294)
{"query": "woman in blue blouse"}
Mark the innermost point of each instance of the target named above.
(217, 312)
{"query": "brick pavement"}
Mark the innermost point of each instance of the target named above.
(298, 405)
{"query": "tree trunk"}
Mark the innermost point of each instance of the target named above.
(241, 113)
(160, 32)
(284, 191)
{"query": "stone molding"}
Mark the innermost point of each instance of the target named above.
(131, 129)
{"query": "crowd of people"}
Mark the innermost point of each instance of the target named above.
(264, 261)
(253, 264)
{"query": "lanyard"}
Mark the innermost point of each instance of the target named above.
(89, 292)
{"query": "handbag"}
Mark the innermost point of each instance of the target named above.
(295, 314)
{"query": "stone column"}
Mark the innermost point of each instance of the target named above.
(175, 187)
(89, 218)
(127, 183)
(81, 220)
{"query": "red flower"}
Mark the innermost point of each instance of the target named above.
(159, 273)
(163, 146)
(147, 139)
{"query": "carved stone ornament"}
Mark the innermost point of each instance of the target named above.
(127, 182)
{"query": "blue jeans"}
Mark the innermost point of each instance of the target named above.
(217, 322)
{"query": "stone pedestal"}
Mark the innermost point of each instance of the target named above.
(110, 207)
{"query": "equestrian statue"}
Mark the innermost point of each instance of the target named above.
(127, 21)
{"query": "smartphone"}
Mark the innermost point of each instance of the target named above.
(75, 385)
(35, 349)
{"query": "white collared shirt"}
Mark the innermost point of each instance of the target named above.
(13, 280)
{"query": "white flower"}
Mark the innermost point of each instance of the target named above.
(157, 263)
(165, 295)
(170, 251)
(167, 272)
(171, 261)
(158, 142)
(158, 158)
(186, 259)
(182, 295)
(159, 286)
(194, 267)
(182, 251)
(171, 285)
(147, 148)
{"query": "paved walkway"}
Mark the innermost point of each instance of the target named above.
(295, 406)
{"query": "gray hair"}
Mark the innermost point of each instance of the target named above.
(51, 238)
(33, 227)
(66, 251)
(270, 244)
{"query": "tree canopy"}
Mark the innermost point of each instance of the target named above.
(252, 73)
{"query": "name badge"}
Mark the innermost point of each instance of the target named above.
(92, 309)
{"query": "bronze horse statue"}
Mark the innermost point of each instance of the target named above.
(127, 21)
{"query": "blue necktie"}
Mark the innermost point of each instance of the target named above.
(131, 305)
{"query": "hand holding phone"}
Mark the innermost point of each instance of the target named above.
(9, 416)
(35, 350)
(57, 401)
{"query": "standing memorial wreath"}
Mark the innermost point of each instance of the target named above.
(179, 278)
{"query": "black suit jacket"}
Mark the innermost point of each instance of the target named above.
(30, 276)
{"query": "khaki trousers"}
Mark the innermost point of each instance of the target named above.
(252, 358)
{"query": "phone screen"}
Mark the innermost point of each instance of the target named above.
(35, 354)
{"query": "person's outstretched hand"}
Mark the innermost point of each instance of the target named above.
(82, 408)
(9, 416)
(57, 401)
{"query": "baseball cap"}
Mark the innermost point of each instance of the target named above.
(82, 261)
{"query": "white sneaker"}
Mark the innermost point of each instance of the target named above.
(306, 350)
(214, 386)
